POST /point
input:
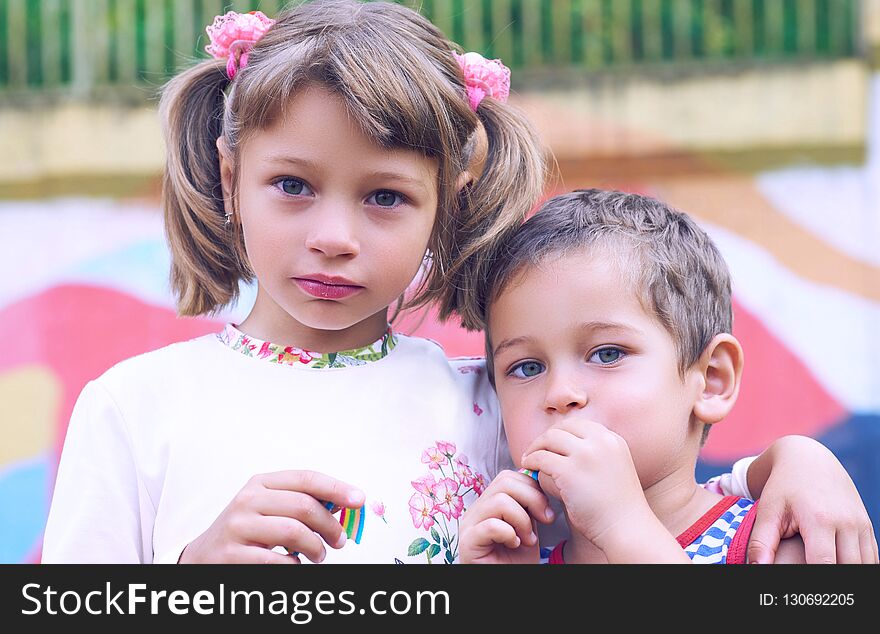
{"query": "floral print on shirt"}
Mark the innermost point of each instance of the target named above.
(438, 503)
(289, 355)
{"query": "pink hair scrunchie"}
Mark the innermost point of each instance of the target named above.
(234, 35)
(484, 78)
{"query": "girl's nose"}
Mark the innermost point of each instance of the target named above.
(564, 394)
(334, 233)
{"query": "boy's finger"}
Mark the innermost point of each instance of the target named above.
(556, 440)
(495, 531)
(547, 462)
(318, 485)
(511, 512)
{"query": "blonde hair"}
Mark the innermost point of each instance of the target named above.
(398, 78)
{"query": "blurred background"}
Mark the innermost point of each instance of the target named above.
(759, 117)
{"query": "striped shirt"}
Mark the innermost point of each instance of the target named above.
(720, 536)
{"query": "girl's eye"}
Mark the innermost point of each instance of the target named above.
(294, 187)
(385, 198)
(527, 370)
(607, 356)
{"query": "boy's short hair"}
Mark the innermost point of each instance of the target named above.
(677, 271)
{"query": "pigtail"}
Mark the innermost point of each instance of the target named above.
(207, 253)
(493, 206)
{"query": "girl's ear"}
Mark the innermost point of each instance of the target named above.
(227, 174)
(478, 150)
(721, 366)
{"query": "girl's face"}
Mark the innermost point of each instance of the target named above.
(335, 226)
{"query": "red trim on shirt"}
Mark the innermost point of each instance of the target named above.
(710, 517)
(738, 549)
(556, 556)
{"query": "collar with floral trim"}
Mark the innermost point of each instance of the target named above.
(289, 355)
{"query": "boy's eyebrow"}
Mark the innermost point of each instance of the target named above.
(608, 325)
(588, 325)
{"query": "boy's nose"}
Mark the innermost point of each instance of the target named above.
(564, 396)
(334, 234)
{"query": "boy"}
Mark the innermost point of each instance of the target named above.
(609, 344)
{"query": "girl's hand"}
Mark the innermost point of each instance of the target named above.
(806, 490)
(499, 527)
(590, 469)
(276, 509)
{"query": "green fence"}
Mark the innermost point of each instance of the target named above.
(93, 48)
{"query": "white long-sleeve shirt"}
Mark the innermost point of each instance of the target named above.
(160, 444)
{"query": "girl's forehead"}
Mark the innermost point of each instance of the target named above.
(316, 129)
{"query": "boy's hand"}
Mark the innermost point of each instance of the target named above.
(806, 490)
(276, 509)
(499, 527)
(590, 469)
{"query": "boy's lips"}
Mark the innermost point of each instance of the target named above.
(327, 286)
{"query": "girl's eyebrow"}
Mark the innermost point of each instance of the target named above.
(509, 343)
(293, 160)
(380, 174)
(398, 176)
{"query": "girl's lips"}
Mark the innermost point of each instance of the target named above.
(322, 290)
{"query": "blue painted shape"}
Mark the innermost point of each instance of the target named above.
(24, 507)
(855, 441)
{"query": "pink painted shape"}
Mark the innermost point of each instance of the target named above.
(81, 331)
(779, 396)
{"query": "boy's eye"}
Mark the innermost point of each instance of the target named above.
(607, 356)
(294, 187)
(527, 370)
(385, 199)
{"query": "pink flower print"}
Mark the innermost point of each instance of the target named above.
(421, 508)
(479, 483)
(477, 410)
(447, 500)
(446, 448)
(379, 509)
(425, 485)
(462, 461)
(264, 350)
(304, 356)
(434, 458)
(465, 475)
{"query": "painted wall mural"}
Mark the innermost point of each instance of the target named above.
(85, 286)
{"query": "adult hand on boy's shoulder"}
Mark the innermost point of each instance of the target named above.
(500, 528)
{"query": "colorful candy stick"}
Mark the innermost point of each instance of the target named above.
(532, 474)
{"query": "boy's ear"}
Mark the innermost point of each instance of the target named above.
(227, 173)
(721, 366)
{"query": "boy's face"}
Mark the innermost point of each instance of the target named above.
(571, 339)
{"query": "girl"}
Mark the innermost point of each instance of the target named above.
(331, 156)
